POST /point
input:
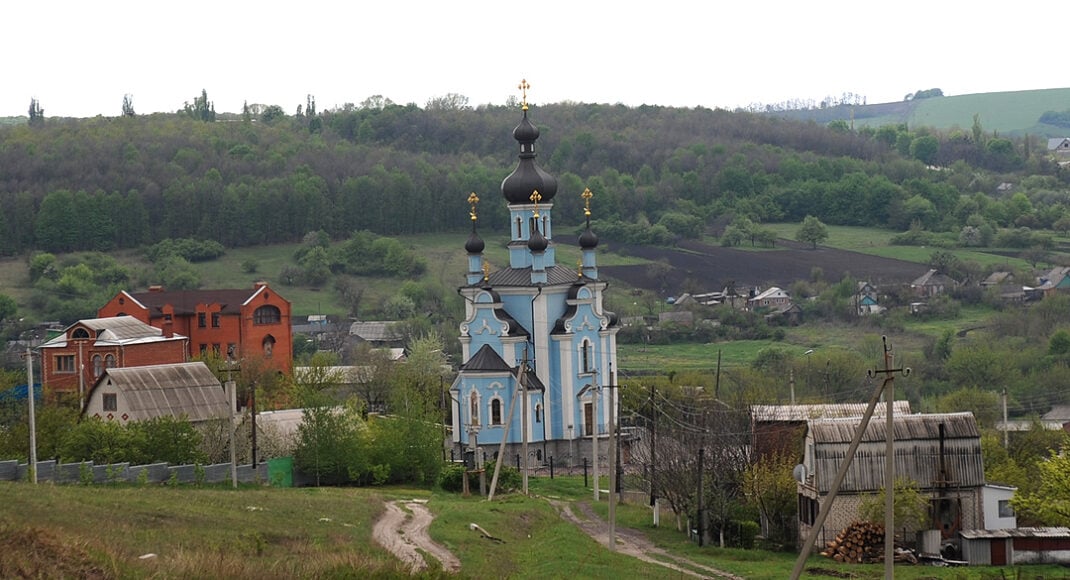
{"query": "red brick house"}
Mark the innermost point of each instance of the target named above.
(248, 323)
(73, 361)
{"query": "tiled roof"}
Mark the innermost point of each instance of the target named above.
(186, 301)
(522, 276)
(486, 359)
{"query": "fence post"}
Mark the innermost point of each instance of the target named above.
(551, 467)
(584, 472)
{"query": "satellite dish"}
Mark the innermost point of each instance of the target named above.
(799, 473)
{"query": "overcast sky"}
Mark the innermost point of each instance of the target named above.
(79, 58)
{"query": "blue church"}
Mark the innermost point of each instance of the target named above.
(539, 348)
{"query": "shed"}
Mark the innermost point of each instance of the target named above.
(1016, 546)
(780, 428)
(188, 390)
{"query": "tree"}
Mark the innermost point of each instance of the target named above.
(770, 487)
(37, 114)
(812, 231)
(8, 308)
(128, 106)
(910, 508)
(925, 148)
(202, 109)
(1049, 504)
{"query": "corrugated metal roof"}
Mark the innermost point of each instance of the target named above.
(907, 427)
(376, 330)
(797, 413)
(114, 330)
(181, 389)
(1054, 532)
(522, 276)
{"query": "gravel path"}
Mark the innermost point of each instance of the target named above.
(405, 536)
(634, 543)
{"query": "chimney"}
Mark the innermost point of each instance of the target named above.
(168, 328)
(156, 288)
(259, 284)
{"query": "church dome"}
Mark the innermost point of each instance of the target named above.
(475, 244)
(588, 239)
(528, 177)
(537, 243)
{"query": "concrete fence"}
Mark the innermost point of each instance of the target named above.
(86, 472)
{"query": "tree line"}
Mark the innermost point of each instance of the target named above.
(128, 181)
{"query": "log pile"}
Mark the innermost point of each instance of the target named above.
(858, 543)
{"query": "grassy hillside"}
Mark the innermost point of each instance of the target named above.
(1012, 113)
(164, 532)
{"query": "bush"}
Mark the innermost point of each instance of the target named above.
(451, 478)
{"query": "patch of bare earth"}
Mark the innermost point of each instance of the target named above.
(405, 535)
(37, 553)
(633, 543)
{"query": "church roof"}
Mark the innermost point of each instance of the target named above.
(486, 359)
(555, 275)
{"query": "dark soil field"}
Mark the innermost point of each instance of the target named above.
(697, 267)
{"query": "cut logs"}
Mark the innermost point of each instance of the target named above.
(858, 543)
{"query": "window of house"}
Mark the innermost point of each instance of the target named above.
(167, 318)
(215, 320)
(80, 333)
(588, 419)
(202, 320)
(64, 363)
(111, 402)
(109, 361)
(98, 365)
(267, 315)
(204, 349)
(808, 509)
(496, 412)
(1006, 510)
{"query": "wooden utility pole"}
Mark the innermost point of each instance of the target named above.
(30, 394)
(612, 468)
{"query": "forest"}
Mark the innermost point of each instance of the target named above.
(246, 179)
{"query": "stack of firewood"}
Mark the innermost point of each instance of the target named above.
(858, 543)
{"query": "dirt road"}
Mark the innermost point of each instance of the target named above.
(634, 543)
(405, 535)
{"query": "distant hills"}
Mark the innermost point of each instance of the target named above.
(1011, 114)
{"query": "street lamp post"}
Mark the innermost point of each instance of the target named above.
(30, 395)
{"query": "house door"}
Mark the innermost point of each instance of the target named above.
(999, 551)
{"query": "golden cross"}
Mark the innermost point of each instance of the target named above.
(473, 199)
(535, 198)
(587, 195)
(524, 86)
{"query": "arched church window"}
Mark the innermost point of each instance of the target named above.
(538, 413)
(496, 412)
(109, 361)
(586, 356)
(80, 333)
(98, 365)
(519, 232)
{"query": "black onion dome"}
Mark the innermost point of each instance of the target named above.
(588, 239)
(474, 245)
(528, 177)
(537, 242)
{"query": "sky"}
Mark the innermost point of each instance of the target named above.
(79, 58)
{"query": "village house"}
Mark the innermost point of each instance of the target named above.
(932, 283)
(187, 391)
(866, 300)
(72, 361)
(234, 323)
(772, 298)
(780, 429)
(941, 453)
(380, 333)
(1055, 280)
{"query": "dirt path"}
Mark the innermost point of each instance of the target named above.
(405, 536)
(633, 542)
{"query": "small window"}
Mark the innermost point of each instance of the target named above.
(588, 419)
(215, 320)
(111, 402)
(202, 320)
(109, 361)
(80, 333)
(587, 357)
(204, 349)
(167, 318)
(267, 315)
(64, 363)
(98, 365)
(1006, 510)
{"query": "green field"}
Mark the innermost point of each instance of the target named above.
(58, 531)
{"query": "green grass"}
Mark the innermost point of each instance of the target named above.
(688, 356)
